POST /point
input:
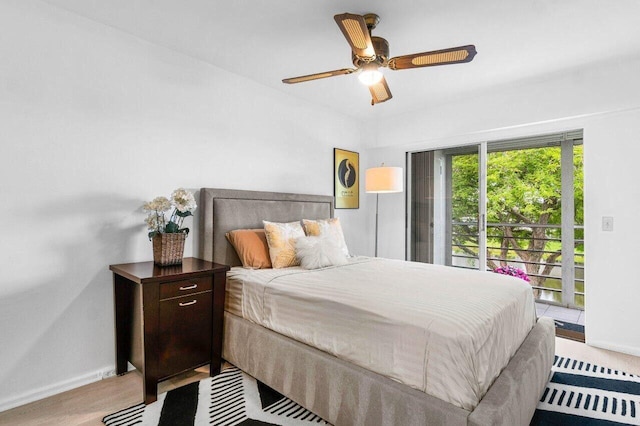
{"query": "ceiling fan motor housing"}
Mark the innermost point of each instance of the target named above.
(381, 47)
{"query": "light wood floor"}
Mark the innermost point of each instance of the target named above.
(88, 404)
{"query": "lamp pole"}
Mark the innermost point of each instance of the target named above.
(386, 180)
(376, 249)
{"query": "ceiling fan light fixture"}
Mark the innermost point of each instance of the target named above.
(370, 75)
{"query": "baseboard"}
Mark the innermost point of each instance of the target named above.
(56, 388)
(616, 348)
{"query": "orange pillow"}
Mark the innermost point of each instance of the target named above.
(251, 246)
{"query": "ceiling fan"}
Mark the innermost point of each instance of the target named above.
(370, 53)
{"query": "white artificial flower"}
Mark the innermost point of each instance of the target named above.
(183, 200)
(152, 222)
(158, 204)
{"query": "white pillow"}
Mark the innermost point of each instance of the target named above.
(329, 228)
(319, 252)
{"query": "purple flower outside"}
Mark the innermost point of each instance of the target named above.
(515, 272)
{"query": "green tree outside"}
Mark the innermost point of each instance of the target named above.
(523, 189)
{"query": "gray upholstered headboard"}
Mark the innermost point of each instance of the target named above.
(223, 210)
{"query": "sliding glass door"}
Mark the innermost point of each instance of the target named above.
(510, 204)
(464, 211)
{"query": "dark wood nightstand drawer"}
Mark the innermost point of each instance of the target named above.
(184, 287)
(185, 333)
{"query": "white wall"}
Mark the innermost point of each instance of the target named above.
(611, 189)
(94, 122)
(604, 100)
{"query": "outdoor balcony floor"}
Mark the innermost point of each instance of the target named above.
(560, 313)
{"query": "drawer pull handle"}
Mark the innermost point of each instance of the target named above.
(193, 302)
(191, 287)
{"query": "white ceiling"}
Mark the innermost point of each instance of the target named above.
(268, 40)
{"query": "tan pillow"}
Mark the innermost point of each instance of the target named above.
(327, 228)
(281, 240)
(251, 246)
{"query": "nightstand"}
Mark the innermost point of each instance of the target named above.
(168, 319)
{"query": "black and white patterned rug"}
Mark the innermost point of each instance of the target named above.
(579, 393)
(230, 398)
(585, 394)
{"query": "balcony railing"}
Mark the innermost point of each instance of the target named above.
(548, 286)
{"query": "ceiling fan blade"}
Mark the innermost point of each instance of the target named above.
(380, 92)
(356, 32)
(318, 76)
(454, 55)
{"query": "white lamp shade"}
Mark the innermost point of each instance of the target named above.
(383, 179)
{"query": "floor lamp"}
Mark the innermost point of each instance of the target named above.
(382, 180)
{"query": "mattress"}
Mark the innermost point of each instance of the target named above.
(447, 332)
(233, 294)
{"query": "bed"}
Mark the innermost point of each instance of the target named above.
(338, 389)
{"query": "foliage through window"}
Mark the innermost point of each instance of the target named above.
(524, 202)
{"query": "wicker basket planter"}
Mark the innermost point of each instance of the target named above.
(168, 248)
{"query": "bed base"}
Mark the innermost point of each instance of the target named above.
(340, 392)
(346, 394)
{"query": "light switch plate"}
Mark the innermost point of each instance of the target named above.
(607, 223)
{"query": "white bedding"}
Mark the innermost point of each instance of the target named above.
(445, 331)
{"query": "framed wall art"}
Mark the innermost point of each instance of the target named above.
(346, 179)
